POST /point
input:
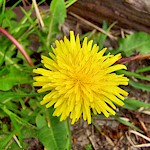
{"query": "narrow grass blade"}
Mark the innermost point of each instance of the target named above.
(140, 86)
(144, 69)
(136, 75)
(133, 104)
(127, 123)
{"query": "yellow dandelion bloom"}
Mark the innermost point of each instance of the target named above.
(80, 80)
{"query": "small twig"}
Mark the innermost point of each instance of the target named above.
(18, 45)
(24, 3)
(142, 145)
(94, 145)
(17, 141)
(129, 139)
(122, 33)
(141, 135)
(94, 26)
(143, 126)
(38, 13)
(145, 112)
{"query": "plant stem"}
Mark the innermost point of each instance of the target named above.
(18, 45)
(131, 58)
(69, 135)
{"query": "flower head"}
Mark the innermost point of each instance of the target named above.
(80, 79)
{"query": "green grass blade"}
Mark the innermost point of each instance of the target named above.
(140, 86)
(3, 56)
(17, 127)
(144, 69)
(18, 119)
(70, 2)
(131, 74)
(102, 37)
(58, 14)
(17, 95)
(133, 104)
(4, 142)
(127, 123)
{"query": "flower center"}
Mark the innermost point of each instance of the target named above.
(81, 78)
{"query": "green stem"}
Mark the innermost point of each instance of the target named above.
(69, 135)
(96, 126)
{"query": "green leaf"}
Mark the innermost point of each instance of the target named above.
(13, 77)
(133, 104)
(132, 74)
(58, 14)
(140, 86)
(53, 134)
(7, 58)
(138, 41)
(6, 13)
(8, 21)
(88, 147)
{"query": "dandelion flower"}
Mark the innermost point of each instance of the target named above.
(80, 80)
